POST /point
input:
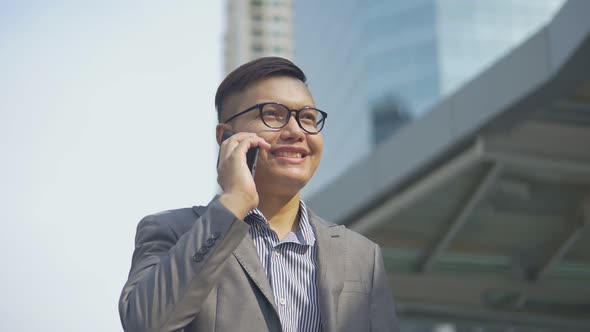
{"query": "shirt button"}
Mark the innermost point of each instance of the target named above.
(277, 253)
(282, 301)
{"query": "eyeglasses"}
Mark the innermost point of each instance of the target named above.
(276, 116)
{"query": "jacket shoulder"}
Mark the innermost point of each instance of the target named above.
(177, 221)
(352, 238)
(170, 216)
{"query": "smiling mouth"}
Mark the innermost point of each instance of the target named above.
(288, 154)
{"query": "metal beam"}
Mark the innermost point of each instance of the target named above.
(455, 225)
(472, 294)
(537, 162)
(554, 257)
(574, 105)
(565, 245)
(488, 317)
(396, 203)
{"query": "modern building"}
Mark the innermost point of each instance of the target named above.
(482, 205)
(256, 28)
(472, 35)
(376, 65)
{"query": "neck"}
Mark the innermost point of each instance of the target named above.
(281, 212)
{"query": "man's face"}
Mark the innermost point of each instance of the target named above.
(294, 155)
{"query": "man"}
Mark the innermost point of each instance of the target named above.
(255, 258)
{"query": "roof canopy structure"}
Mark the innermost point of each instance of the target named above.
(482, 206)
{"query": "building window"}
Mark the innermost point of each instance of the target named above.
(257, 48)
(257, 3)
(389, 115)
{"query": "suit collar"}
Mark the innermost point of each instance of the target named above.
(246, 255)
(304, 233)
(331, 251)
(200, 210)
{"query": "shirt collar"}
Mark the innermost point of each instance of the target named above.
(303, 235)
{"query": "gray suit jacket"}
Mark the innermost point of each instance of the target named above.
(197, 270)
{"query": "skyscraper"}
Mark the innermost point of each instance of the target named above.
(376, 64)
(256, 28)
(473, 34)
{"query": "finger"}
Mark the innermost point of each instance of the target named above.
(263, 144)
(241, 136)
(256, 141)
(249, 143)
(238, 147)
(253, 139)
(226, 148)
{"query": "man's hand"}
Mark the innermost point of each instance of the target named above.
(233, 175)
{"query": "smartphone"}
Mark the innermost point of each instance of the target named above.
(251, 155)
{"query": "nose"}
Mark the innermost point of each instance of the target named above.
(292, 130)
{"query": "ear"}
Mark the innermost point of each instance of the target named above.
(219, 131)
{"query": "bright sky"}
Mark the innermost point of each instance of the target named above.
(106, 115)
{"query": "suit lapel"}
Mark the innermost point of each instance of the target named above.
(331, 268)
(248, 258)
(330, 253)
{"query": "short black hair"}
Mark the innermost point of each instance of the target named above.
(250, 72)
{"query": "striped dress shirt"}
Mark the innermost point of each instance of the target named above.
(291, 268)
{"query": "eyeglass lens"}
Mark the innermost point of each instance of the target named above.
(276, 116)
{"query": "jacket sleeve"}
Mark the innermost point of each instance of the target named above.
(171, 276)
(383, 316)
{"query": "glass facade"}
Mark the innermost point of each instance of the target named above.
(400, 53)
(360, 54)
(328, 47)
(474, 34)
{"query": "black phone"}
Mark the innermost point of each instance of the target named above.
(251, 155)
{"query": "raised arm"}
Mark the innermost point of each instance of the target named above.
(171, 273)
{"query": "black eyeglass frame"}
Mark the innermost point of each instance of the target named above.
(297, 112)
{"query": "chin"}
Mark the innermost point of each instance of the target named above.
(288, 178)
(284, 183)
(291, 181)
(292, 176)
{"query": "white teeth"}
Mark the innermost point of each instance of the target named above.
(288, 154)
